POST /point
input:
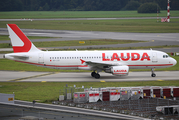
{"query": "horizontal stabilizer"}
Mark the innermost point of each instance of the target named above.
(23, 57)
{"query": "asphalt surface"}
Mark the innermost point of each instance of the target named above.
(8, 112)
(78, 112)
(76, 35)
(22, 76)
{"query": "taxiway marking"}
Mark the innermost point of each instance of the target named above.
(20, 79)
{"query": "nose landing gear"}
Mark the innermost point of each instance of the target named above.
(153, 74)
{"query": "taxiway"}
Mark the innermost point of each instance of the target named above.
(22, 76)
(86, 35)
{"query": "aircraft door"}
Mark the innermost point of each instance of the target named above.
(154, 57)
(41, 58)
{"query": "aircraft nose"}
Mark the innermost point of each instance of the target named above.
(174, 62)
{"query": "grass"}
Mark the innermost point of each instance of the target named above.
(141, 26)
(47, 92)
(6, 64)
(6, 37)
(76, 43)
(80, 14)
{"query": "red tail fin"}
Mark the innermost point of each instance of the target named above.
(19, 40)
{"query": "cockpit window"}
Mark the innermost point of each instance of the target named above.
(165, 56)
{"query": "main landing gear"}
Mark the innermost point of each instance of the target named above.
(153, 74)
(95, 75)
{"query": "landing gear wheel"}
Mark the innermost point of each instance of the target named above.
(93, 74)
(97, 76)
(153, 75)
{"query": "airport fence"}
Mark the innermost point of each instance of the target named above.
(142, 107)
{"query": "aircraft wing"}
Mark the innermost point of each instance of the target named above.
(101, 64)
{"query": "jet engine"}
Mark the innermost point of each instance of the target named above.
(120, 70)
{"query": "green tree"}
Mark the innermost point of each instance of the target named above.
(90, 5)
(10, 5)
(132, 5)
(46, 7)
(40, 8)
(148, 8)
(174, 4)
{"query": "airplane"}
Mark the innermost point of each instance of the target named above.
(116, 62)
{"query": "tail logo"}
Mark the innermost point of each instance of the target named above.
(27, 43)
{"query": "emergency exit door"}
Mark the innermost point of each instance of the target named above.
(41, 58)
(154, 57)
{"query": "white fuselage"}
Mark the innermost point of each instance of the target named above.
(135, 59)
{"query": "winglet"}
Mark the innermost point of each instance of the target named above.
(19, 40)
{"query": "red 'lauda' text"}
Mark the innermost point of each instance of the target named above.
(132, 56)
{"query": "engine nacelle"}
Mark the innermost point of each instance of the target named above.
(120, 70)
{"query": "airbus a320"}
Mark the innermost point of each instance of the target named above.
(116, 62)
